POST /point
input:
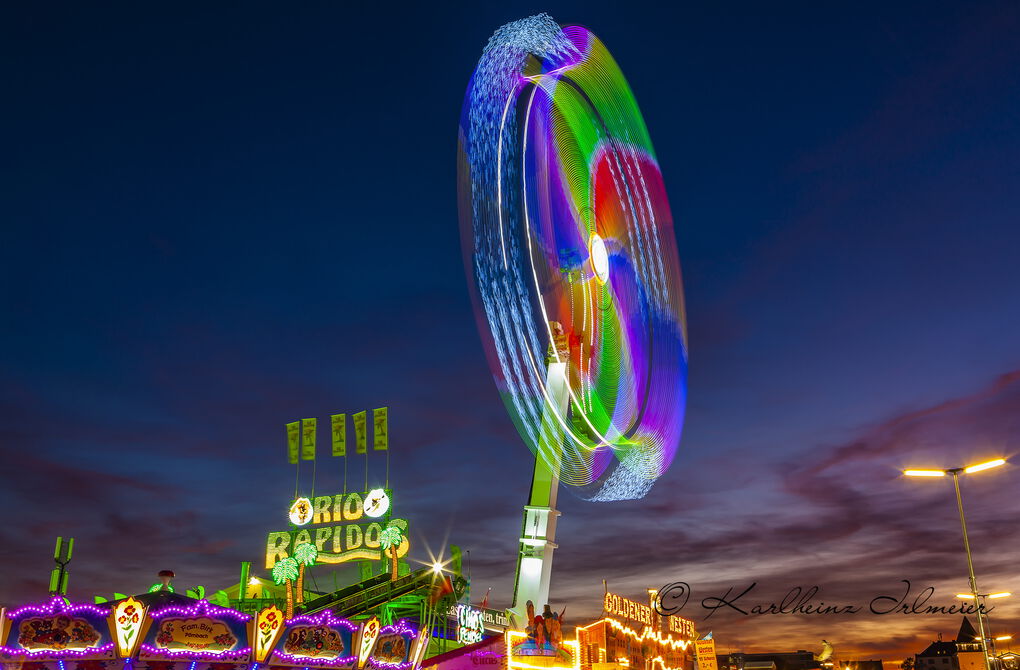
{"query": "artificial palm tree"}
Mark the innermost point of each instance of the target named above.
(286, 570)
(305, 554)
(390, 539)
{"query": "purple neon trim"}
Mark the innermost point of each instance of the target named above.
(57, 604)
(57, 653)
(166, 653)
(323, 618)
(201, 608)
(313, 660)
(403, 665)
(402, 627)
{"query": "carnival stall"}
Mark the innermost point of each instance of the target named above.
(165, 631)
(628, 636)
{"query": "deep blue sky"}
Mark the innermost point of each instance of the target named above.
(220, 218)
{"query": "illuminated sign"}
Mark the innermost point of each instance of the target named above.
(199, 631)
(470, 624)
(420, 646)
(369, 634)
(682, 626)
(57, 633)
(56, 629)
(343, 527)
(194, 635)
(645, 636)
(126, 622)
(524, 653)
(267, 627)
(705, 651)
(497, 620)
(392, 647)
(624, 608)
(321, 640)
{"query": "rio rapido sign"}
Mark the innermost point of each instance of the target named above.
(343, 527)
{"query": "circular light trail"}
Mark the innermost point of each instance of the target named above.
(569, 239)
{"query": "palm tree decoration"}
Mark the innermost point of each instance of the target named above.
(305, 554)
(390, 539)
(286, 570)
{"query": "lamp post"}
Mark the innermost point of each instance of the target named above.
(955, 472)
(981, 610)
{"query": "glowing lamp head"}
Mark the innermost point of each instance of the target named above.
(985, 466)
(437, 568)
(599, 257)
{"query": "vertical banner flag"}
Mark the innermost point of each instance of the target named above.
(308, 445)
(293, 441)
(339, 423)
(361, 444)
(380, 429)
(705, 651)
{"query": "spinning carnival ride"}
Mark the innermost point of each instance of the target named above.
(568, 234)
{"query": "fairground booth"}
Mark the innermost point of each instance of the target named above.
(378, 612)
(162, 631)
(628, 636)
(333, 590)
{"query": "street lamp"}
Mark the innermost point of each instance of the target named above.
(955, 472)
(968, 596)
(983, 597)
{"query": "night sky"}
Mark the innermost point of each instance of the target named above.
(221, 217)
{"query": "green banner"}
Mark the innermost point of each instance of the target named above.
(293, 441)
(360, 439)
(380, 429)
(339, 424)
(308, 444)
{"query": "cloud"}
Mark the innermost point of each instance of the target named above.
(848, 522)
(838, 516)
